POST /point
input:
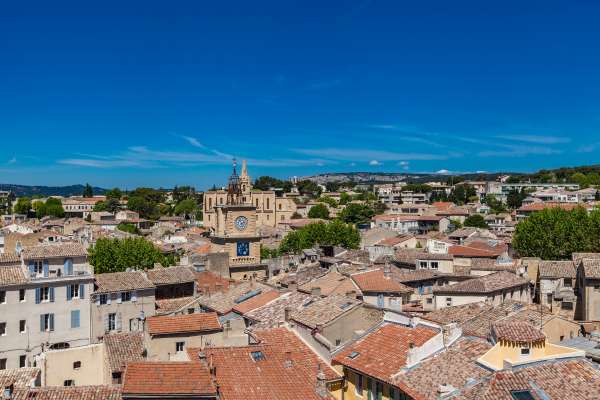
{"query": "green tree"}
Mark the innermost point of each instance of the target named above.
(115, 255)
(268, 182)
(355, 213)
(186, 207)
(266, 253)
(335, 233)
(129, 228)
(100, 206)
(146, 208)
(52, 207)
(332, 186)
(114, 193)
(495, 205)
(22, 206)
(309, 188)
(345, 198)
(88, 191)
(554, 233)
(328, 200)
(319, 211)
(515, 198)
(476, 221)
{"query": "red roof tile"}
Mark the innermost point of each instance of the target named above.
(200, 322)
(256, 302)
(167, 378)
(376, 281)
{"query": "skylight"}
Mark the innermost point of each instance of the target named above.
(353, 355)
(345, 305)
(522, 395)
(257, 355)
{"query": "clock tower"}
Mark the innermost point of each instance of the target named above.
(236, 233)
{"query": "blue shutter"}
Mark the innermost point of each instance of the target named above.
(38, 295)
(75, 319)
(68, 266)
(31, 268)
(42, 323)
(69, 293)
(51, 290)
(82, 291)
(46, 269)
(380, 300)
(51, 322)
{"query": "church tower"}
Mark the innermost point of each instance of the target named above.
(245, 182)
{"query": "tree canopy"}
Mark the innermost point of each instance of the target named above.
(268, 182)
(115, 255)
(88, 191)
(476, 221)
(555, 233)
(52, 207)
(462, 194)
(319, 211)
(356, 213)
(335, 233)
(22, 206)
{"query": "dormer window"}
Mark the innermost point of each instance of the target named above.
(257, 356)
(525, 351)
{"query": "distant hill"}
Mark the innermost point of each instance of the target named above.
(28, 191)
(384, 177)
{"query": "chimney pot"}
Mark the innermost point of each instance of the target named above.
(315, 291)
(287, 314)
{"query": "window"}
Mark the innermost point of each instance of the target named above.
(112, 321)
(257, 355)
(74, 291)
(75, 319)
(549, 298)
(359, 384)
(429, 300)
(2, 363)
(566, 305)
(22, 326)
(77, 365)
(22, 294)
(525, 351)
(22, 361)
(103, 299)
(46, 322)
(125, 296)
(423, 264)
(38, 267)
(190, 310)
(567, 282)
(2, 328)
(69, 382)
(2, 297)
(45, 294)
(448, 301)
(116, 378)
(179, 346)
(434, 265)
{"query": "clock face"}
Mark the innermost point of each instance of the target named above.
(241, 223)
(243, 249)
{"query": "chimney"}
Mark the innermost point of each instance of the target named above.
(315, 291)
(288, 363)
(411, 345)
(321, 387)
(202, 357)
(287, 314)
(8, 391)
(387, 271)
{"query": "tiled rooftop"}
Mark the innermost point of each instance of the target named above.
(167, 306)
(256, 302)
(224, 302)
(520, 332)
(456, 366)
(187, 323)
(12, 275)
(282, 368)
(376, 281)
(209, 282)
(303, 274)
(383, 352)
(18, 377)
(67, 249)
(591, 268)
(167, 378)
(100, 392)
(171, 275)
(9, 258)
(330, 283)
(121, 281)
(557, 269)
(272, 314)
(324, 310)
(560, 380)
(468, 251)
(485, 284)
(122, 348)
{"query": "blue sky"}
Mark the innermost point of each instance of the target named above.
(163, 93)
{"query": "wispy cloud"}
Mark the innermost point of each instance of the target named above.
(374, 163)
(519, 151)
(193, 141)
(535, 139)
(442, 172)
(368, 155)
(589, 148)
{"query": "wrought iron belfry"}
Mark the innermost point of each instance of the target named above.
(234, 190)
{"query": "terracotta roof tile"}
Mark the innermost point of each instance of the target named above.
(224, 302)
(557, 269)
(188, 323)
(591, 268)
(167, 306)
(66, 249)
(9, 258)
(122, 348)
(330, 283)
(101, 392)
(382, 353)
(287, 370)
(12, 275)
(467, 251)
(121, 281)
(18, 377)
(209, 282)
(256, 302)
(485, 284)
(520, 332)
(170, 275)
(324, 310)
(376, 281)
(167, 378)
(272, 315)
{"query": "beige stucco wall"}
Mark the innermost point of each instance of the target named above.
(57, 366)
